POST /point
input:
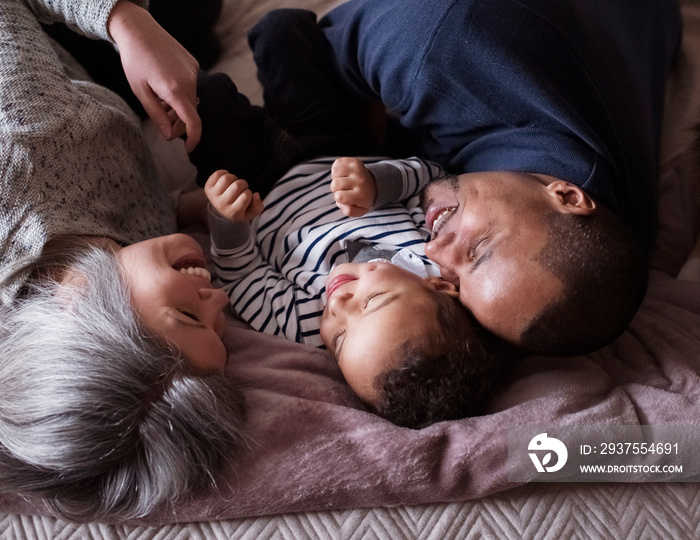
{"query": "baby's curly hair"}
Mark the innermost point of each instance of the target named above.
(451, 375)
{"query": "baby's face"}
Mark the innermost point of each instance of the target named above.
(371, 310)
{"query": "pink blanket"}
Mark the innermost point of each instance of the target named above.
(316, 448)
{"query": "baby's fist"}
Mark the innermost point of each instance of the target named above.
(231, 197)
(353, 186)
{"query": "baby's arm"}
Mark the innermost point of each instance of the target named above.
(231, 197)
(258, 294)
(359, 188)
(231, 206)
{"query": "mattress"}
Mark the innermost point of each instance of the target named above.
(536, 511)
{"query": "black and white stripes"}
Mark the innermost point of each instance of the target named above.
(276, 280)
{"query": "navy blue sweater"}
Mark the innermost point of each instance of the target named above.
(569, 88)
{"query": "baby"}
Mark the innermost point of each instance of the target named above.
(335, 258)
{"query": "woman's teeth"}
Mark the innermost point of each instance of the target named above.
(195, 271)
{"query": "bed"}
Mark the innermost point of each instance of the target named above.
(321, 466)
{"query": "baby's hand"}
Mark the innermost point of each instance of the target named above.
(231, 197)
(353, 186)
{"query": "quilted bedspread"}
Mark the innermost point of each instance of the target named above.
(535, 511)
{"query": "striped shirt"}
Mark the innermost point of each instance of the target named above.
(275, 270)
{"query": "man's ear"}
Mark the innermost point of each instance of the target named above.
(571, 198)
(443, 285)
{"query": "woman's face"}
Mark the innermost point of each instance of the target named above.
(172, 293)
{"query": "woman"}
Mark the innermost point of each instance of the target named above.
(102, 413)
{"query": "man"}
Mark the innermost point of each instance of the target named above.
(553, 109)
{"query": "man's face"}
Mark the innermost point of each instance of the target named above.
(487, 231)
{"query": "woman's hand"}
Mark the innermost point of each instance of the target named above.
(161, 73)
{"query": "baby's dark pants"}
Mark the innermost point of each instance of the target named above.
(307, 113)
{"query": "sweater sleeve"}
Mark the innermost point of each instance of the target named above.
(87, 18)
(258, 294)
(73, 156)
(399, 180)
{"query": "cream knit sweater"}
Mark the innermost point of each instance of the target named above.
(73, 159)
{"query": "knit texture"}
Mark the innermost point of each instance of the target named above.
(73, 159)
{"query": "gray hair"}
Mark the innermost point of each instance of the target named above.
(97, 417)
